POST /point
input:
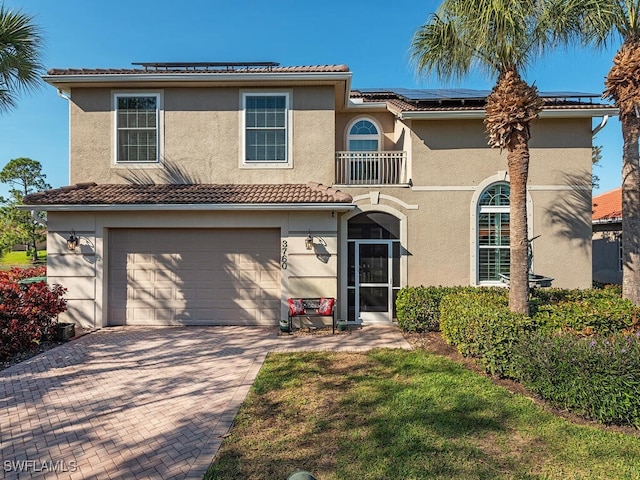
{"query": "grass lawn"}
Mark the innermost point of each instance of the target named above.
(394, 414)
(20, 259)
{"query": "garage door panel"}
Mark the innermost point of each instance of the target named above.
(163, 294)
(194, 277)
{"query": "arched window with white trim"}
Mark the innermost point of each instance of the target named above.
(493, 233)
(363, 136)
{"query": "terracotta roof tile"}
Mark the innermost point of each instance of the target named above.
(608, 205)
(177, 194)
(164, 71)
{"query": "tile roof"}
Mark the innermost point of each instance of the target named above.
(179, 194)
(608, 205)
(196, 71)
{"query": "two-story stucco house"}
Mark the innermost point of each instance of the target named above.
(211, 193)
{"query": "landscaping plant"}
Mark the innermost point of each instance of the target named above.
(28, 312)
(481, 325)
(597, 376)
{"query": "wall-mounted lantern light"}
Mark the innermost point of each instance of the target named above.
(308, 242)
(72, 241)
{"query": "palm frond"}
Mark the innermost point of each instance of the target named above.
(20, 57)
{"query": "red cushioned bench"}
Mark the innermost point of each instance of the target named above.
(312, 307)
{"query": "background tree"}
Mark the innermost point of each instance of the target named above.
(500, 38)
(18, 227)
(20, 64)
(596, 156)
(606, 21)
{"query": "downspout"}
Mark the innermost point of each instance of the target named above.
(604, 121)
(64, 95)
(67, 96)
(38, 219)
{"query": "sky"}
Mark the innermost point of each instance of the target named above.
(372, 37)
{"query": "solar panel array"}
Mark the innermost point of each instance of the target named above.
(443, 94)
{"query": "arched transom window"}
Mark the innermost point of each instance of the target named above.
(363, 136)
(493, 233)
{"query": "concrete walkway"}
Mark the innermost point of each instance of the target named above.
(142, 403)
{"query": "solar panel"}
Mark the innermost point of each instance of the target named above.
(444, 94)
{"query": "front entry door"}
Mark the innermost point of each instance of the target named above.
(373, 276)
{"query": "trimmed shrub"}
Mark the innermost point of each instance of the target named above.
(27, 312)
(481, 325)
(597, 377)
(418, 308)
(600, 311)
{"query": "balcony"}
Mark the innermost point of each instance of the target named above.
(371, 168)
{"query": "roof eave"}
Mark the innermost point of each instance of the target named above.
(329, 206)
(604, 221)
(87, 79)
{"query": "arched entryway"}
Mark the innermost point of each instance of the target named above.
(373, 280)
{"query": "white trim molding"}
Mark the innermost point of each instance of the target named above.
(159, 127)
(383, 196)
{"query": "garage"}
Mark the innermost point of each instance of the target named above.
(193, 276)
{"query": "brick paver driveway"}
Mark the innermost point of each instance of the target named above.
(127, 403)
(132, 403)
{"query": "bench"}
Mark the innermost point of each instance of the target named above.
(312, 307)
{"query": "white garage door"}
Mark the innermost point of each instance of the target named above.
(194, 277)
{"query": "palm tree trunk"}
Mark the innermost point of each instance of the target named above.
(518, 165)
(510, 108)
(623, 86)
(630, 209)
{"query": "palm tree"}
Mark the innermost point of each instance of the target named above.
(500, 38)
(20, 65)
(604, 21)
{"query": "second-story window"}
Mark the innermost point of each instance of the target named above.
(266, 128)
(363, 136)
(137, 120)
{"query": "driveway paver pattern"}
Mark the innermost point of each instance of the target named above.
(141, 403)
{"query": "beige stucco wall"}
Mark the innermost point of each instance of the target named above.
(84, 271)
(201, 134)
(451, 164)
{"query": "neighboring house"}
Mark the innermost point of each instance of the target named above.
(210, 193)
(607, 232)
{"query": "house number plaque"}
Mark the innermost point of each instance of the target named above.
(283, 259)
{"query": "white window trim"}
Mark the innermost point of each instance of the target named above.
(500, 176)
(492, 209)
(243, 163)
(348, 136)
(159, 95)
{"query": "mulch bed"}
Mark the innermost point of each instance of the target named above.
(41, 348)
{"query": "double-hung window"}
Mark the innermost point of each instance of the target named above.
(137, 127)
(266, 128)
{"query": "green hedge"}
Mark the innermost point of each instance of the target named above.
(598, 377)
(418, 308)
(481, 325)
(601, 311)
(583, 311)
